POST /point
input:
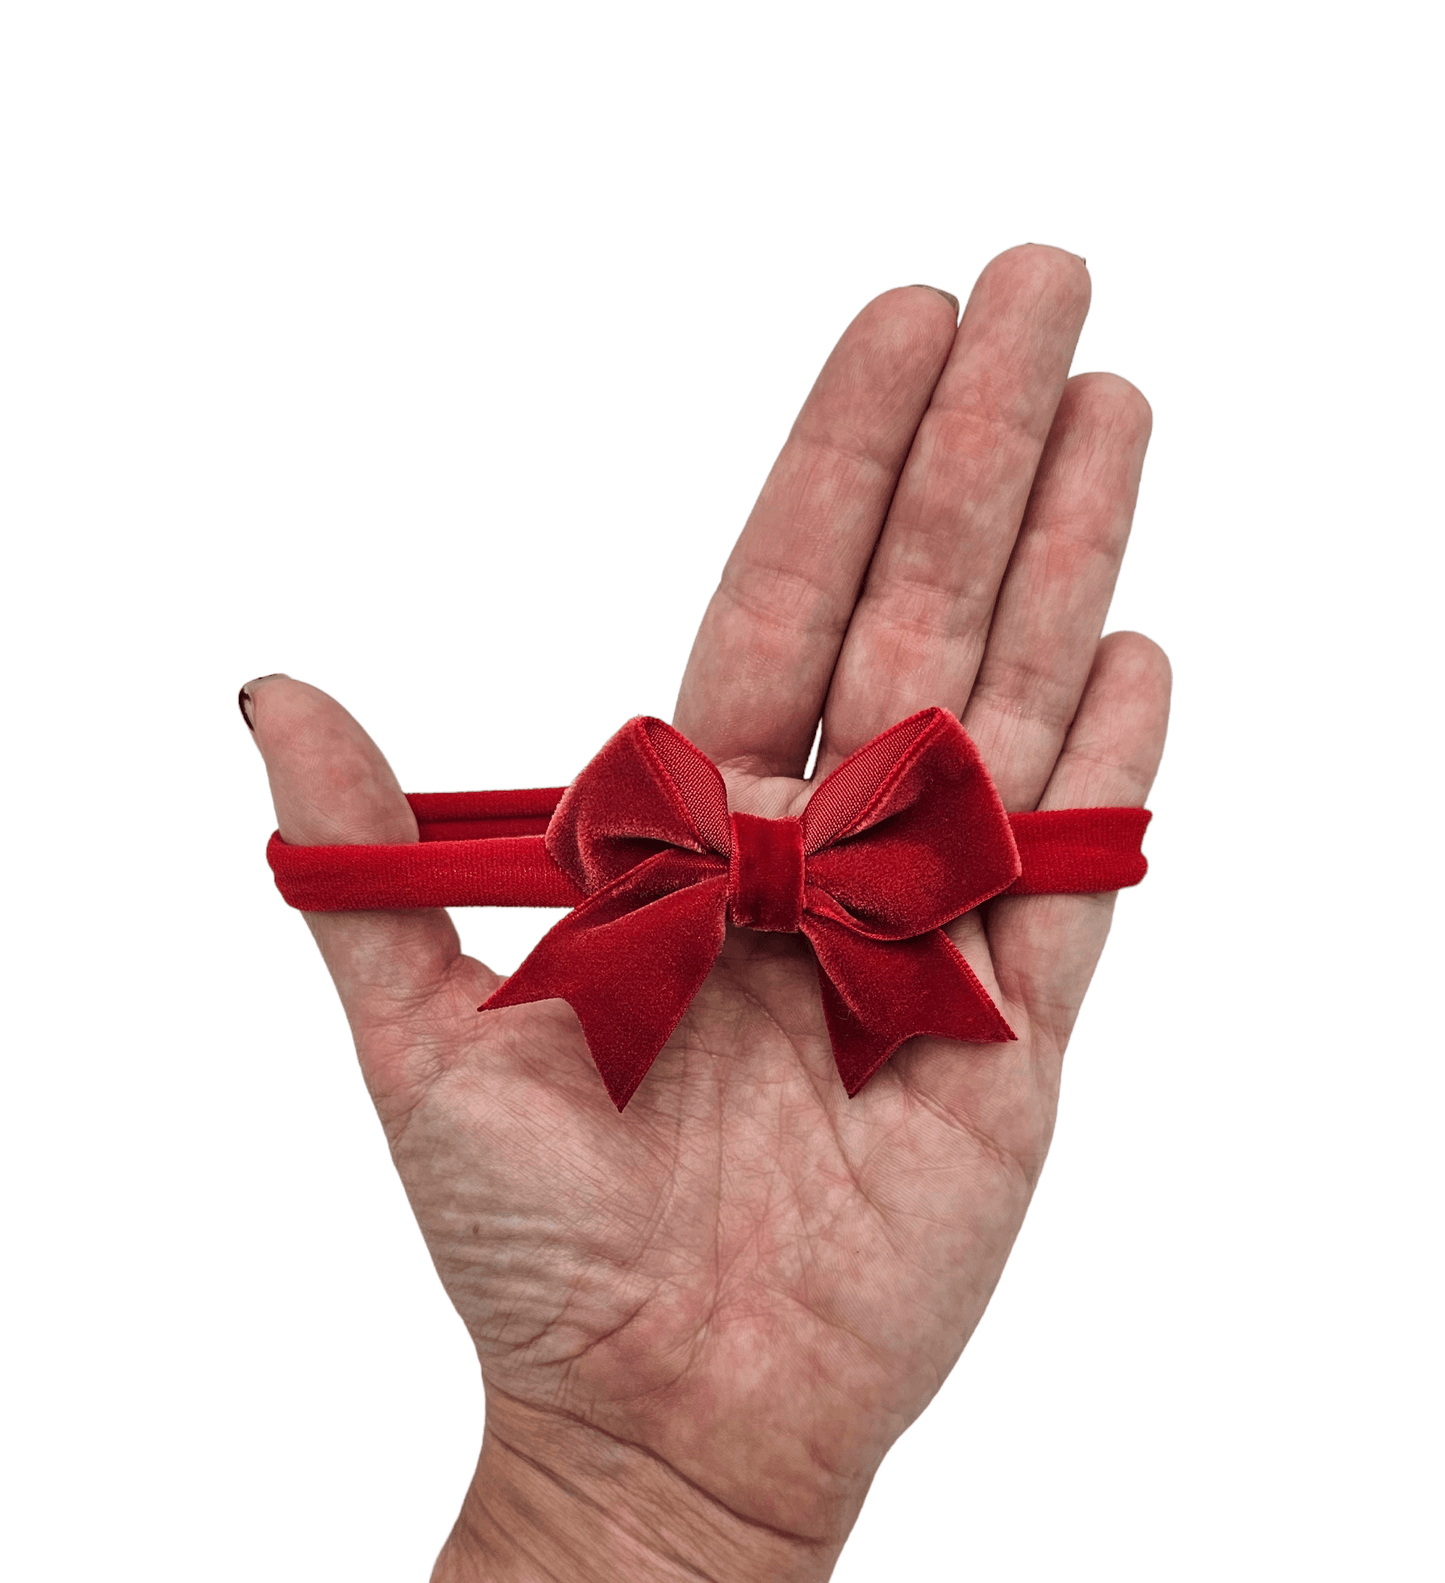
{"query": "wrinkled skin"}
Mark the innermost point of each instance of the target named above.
(702, 1323)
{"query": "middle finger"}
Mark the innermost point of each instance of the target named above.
(918, 632)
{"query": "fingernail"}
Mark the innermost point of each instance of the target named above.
(947, 296)
(248, 704)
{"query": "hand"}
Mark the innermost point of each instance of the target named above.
(702, 1323)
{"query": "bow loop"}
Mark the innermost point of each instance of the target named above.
(909, 833)
(646, 790)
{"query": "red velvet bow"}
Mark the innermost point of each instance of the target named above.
(902, 837)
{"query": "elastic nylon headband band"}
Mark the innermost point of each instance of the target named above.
(485, 849)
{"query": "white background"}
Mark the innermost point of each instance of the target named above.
(434, 353)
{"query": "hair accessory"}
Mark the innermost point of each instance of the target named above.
(905, 835)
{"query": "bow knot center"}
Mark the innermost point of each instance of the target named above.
(765, 877)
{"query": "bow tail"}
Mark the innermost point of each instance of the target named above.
(628, 966)
(877, 993)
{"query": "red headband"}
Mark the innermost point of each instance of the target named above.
(904, 836)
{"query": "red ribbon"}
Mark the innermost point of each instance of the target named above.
(902, 837)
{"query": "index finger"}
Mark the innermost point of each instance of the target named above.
(755, 682)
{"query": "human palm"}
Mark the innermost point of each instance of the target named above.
(703, 1322)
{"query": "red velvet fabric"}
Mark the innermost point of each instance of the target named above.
(767, 877)
(902, 837)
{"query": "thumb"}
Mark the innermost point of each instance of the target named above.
(329, 781)
(332, 786)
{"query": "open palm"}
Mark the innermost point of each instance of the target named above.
(702, 1323)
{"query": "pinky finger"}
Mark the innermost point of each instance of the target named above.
(1045, 948)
